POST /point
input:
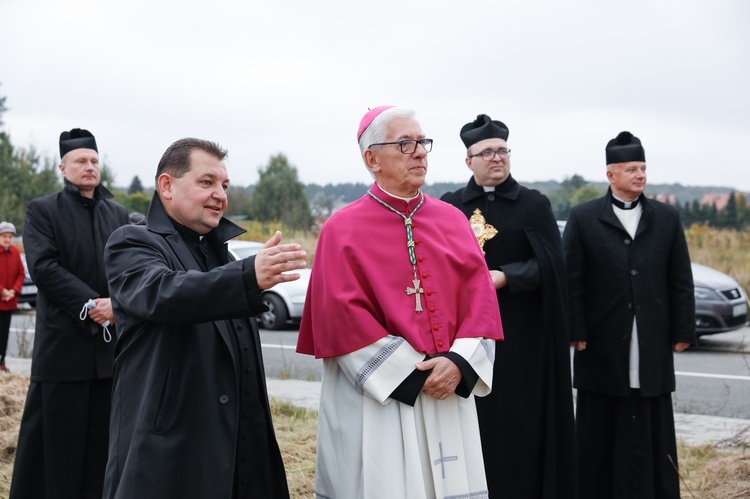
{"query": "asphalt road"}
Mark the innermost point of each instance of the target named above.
(713, 378)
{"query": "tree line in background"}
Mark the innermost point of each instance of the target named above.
(735, 215)
(280, 198)
(563, 196)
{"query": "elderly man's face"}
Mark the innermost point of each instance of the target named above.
(398, 173)
(81, 168)
(627, 180)
(198, 199)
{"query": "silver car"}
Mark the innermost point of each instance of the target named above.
(720, 302)
(286, 300)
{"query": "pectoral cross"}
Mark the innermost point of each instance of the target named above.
(416, 291)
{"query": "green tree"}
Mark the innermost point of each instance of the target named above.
(696, 213)
(135, 185)
(686, 214)
(322, 204)
(107, 175)
(138, 201)
(24, 175)
(560, 199)
(585, 193)
(238, 202)
(280, 196)
(728, 218)
(743, 211)
(712, 216)
(574, 183)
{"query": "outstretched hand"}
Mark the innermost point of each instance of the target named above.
(274, 259)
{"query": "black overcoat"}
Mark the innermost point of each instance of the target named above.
(64, 236)
(614, 278)
(531, 404)
(175, 403)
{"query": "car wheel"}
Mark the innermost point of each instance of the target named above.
(276, 316)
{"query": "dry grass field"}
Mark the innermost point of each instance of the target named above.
(296, 431)
(725, 250)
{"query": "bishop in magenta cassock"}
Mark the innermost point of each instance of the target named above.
(402, 311)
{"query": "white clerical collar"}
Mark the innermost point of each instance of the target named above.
(488, 188)
(625, 205)
(399, 197)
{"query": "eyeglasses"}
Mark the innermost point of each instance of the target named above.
(409, 146)
(489, 154)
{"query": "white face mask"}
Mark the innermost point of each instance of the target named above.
(84, 313)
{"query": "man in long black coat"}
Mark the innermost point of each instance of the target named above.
(190, 414)
(526, 423)
(632, 304)
(62, 443)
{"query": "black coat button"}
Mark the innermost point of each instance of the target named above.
(627, 242)
(491, 197)
(224, 399)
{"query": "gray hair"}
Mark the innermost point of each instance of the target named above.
(7, 227)
(377, 130)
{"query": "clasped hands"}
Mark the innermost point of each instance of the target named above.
(443, 379)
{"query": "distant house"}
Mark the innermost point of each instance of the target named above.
(720, 200)
(714, 199)
(666, 198)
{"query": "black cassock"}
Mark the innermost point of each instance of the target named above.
(526, 423)
(62, 444)
(626, 438)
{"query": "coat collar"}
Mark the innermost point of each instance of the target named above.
(607, 213)
(158, 221)
(100, 192)
(396, 203)
(510, 189)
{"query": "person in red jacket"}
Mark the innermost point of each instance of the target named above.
(11, 280)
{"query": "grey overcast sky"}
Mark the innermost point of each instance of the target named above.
(296, 76)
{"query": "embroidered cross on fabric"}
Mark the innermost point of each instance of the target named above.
(443, 460)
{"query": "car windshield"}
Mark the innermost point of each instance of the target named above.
(245, 252)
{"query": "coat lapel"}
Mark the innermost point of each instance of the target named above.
(607, 214)
(643, 223)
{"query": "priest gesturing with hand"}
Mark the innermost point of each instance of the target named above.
(401, 308)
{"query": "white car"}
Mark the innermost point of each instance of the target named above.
(286, 300)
